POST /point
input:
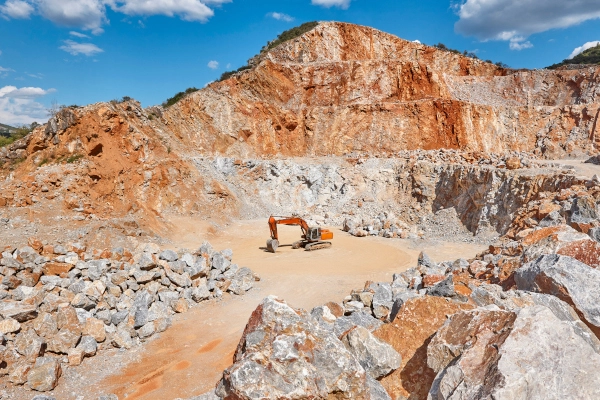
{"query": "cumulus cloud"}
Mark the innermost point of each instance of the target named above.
(85, 14)
(213, 64)
(16, 9)
(510, 19)
(90, 15)
(343, 4)
(281, 16)
(581, 49)
(18, 105)
(74, 48)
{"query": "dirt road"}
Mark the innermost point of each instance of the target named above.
(189, 357)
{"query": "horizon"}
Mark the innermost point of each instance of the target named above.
(80, 53)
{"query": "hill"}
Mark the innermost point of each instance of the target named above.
(588, 57)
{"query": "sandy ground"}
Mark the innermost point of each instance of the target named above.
(189, 357)
(581, 168)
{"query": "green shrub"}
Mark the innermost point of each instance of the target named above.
(172, 100)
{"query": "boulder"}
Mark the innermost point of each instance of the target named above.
(376, 357)
(18, 311)
(343, 324)
(9, 325)
(382, 300)
(531, 353)
(29, 344)
(95, 328)
(284, 353)
(168, 255)
(44, 375)
(242, 281)
(568, 279)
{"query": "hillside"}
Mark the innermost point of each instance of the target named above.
(586, 58)
(6, 129)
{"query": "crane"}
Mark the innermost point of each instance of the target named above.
(313, 238)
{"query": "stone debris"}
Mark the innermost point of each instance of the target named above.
(102, 299)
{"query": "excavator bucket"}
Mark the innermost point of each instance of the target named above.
(272, 245)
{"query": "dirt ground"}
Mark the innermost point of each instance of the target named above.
(189, 357)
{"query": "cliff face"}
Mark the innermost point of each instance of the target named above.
(342, 88)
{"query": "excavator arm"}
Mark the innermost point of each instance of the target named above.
(274, 221)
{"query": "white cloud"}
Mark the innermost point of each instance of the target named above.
(86, 14)
(581, 49)
(4, 71)
(79, 35)
(18, 105)
(281, 16)
(74, 48)
(519, 43)
(16, 9)
(343, 4)
(510, 19)
(188, 10)
(90, 15)
(213, 64)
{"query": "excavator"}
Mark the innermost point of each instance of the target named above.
(313, 238)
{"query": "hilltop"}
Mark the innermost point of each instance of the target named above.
(588, 57)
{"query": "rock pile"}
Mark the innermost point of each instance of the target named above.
(61, 304)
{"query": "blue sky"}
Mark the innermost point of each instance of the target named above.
(85, 51)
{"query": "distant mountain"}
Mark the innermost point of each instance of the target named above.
(590, 56)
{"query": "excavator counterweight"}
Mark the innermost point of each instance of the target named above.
(313, 238)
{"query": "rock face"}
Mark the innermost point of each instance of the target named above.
(531, 353)
(284, 353)
(386, 85)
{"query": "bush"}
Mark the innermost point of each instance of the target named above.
(172, 100)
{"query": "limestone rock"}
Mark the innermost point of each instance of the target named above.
(568, 279)
(376, 357)
(531, 353)
(44, 375)
(9, 325)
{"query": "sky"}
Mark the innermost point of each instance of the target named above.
(85, 51)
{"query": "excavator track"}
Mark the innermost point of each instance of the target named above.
(317, 246)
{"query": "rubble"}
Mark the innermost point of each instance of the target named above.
(99, 301)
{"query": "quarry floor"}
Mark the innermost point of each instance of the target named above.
(188, 358)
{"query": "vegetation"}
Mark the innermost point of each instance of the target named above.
(289, 35)
(590, 56)
(469, 54)
(172, 100)
(73, 158)
(20, 132)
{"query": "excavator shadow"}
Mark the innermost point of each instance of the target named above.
(263, 248)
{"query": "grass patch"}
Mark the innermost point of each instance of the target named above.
(43, 162)
(74, 158)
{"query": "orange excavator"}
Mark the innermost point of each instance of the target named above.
(313, 238)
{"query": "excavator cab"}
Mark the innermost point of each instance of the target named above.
(313, 234)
